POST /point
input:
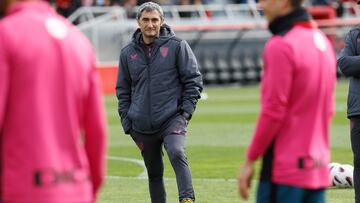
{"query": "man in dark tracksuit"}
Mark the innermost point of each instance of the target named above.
(349, 64)
(158, 86)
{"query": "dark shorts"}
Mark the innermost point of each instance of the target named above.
(269, 192)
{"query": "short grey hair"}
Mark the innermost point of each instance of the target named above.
(148, 7)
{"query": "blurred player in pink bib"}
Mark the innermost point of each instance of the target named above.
(297, 103)
(52, 124)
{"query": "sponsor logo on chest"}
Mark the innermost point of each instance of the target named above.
(133, 56)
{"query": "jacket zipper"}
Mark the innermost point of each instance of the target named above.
(148, 57)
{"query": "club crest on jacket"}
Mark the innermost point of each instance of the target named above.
(164, 51)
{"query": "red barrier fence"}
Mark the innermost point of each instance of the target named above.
(108, 76)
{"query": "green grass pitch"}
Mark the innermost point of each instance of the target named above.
(217, 139)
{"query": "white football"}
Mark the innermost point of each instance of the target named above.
(341, 175)
(332, 168)
(333, 164)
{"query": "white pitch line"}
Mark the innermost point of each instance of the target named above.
(136, 161)
(194, 179)
(143, 175)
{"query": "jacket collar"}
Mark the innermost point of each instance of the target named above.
(284, 23)
(25, 5)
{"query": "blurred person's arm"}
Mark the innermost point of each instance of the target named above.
(123, 93)
(4, 79)
(190, 77)
(275, 91)
(349, 60)
(95, 132)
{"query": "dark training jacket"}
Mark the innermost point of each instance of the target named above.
(156, 84)
(349, 64)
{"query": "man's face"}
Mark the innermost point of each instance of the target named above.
(272, 8)
(150, 23)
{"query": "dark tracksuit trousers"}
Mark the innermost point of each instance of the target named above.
(355, 145)
(172, 136)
